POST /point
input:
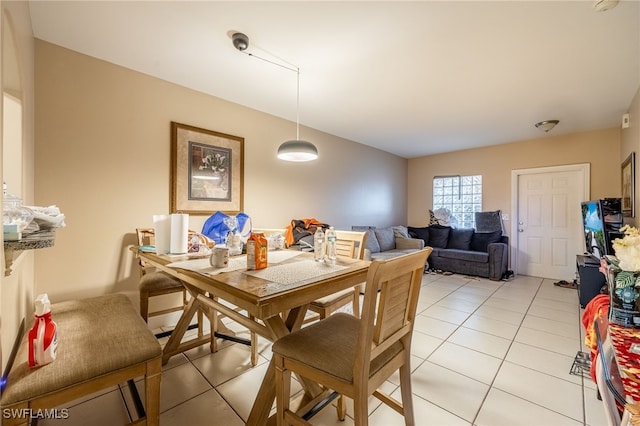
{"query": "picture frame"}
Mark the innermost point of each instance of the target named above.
(207, 171)
(628, 185)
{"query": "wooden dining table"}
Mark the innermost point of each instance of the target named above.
(272, 301)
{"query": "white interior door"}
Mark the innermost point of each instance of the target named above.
(548, 221)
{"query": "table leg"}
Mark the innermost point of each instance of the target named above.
(175, 345)
(214, 327)
(267, 393)
(178, 333)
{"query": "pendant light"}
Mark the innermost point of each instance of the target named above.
(547, 125)
(296, 150)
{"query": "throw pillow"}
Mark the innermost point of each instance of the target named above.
(371, 243)
(400, 231)
(442, 216)
(386, 238)
(432, 219)
(438, 236)
(481, 240)
(460, 239)
(421, 233)
(488, 221)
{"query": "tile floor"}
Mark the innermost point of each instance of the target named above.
(484, 353)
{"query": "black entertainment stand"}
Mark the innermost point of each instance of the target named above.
(590, 279)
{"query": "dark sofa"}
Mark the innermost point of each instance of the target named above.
(465, 251)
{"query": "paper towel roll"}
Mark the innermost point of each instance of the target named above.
(162, 225)
(179, 233)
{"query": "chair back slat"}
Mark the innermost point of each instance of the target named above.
(146, 236)
(345, 248)
(389, 316)
(359, 238)
(393, 308)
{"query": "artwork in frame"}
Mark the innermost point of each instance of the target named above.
(207, 171)
(628, 185)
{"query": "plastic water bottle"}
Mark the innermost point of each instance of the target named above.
(331, 245)
(318, 245)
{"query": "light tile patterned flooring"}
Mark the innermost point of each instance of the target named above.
(484, 353)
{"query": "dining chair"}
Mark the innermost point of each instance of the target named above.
(156, 283)
(354, 356)
(349, 244)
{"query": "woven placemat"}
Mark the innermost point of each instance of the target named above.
(291, 273)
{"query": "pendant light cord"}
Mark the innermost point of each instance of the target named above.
(290, 68)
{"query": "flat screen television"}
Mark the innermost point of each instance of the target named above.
(594, 229)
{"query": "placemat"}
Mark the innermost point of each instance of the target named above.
(203, 266)
(290, 273)
(236, 263)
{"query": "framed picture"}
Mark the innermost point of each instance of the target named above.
(628, 185)
(207, 171)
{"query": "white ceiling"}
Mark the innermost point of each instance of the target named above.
(410, 78)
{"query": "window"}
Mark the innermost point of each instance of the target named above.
(462, 195)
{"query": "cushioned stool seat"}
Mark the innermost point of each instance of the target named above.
(159, 281)
(102, 342)
(334, 348)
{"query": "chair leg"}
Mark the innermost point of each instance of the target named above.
(213, 319)
(152, 392)
(283, 389)
(361, 409)
(254, 346)
(342, 408)
(200, 320)
(405, 390)
(144, 306)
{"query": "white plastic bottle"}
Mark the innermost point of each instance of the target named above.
(331, 245)
(318, 245)
(43, 337)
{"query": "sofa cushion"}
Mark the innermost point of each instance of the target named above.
(421, 233)
(400, 231)
(371, 242)
(438, 236)
(386, 238)
(460, 238)
(481, 240)
(465, 255)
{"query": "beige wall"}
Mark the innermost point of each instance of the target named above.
(631, 143)
(599, 148)
(17, 290)
(102, 155)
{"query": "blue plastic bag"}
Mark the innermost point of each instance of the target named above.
(216, 228)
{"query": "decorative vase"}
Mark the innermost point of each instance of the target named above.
(217, 178)
(624, 304)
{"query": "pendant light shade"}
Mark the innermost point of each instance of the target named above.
(547, 125)
(298, 151)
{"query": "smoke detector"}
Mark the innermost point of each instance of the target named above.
(604, 5)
